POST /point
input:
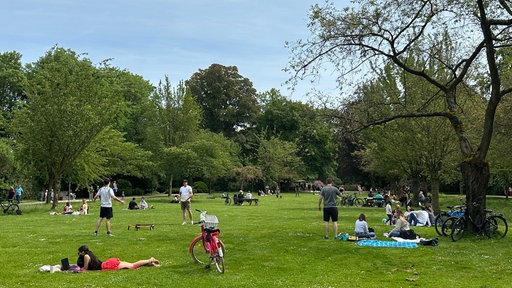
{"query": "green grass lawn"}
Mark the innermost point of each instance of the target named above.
(275, 244)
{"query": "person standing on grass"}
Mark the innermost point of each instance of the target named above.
(19, 191)
(185, 194)
(106, 194)
(328, 195)
(114, 187)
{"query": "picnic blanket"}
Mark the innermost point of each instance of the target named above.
(399, 239)
(380, 243)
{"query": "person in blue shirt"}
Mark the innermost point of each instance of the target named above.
(19, 191)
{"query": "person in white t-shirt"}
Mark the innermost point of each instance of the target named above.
(106, 194)
(361, 229)
(185, 195)
(419, 218)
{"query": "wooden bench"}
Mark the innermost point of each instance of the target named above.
(255, 200)
(138, 226)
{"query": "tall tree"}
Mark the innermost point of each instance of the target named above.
(279, 161)
(217, 155)
(228, 99)
(132, 111)
(171, 119)
(12, 78)
(303, 125)
(69, 103)
(382, 31)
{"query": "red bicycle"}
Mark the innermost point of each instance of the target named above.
(207, 247)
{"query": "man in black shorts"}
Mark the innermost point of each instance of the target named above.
(328, 195)
(106, 194)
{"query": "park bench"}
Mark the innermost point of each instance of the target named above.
(255, 200)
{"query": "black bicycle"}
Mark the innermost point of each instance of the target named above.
(10, 208)
(227, 200)
(493, 225)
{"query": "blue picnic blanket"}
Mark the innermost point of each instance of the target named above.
(380, 243)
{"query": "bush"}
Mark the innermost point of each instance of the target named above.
(124, 186)
(200, 187)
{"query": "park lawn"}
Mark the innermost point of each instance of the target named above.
(277, 243)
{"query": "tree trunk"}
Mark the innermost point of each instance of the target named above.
(56, 192)
(476, 179)
(415, 187)
(434, 185)
(170, 185)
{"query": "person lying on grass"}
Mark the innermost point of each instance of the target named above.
(88, 261)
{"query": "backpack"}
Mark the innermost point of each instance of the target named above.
(408, 234)
(430, 242)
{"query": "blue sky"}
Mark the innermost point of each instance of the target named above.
(154, 38)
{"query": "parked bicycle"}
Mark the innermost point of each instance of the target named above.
(10, 208)
(351, 200)
(227, 199)
(207, 248)
(455, 211)
(493, 225)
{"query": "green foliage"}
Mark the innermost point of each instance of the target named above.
(228, 99)
(70, 102)
(125, 186)
(259, 253)
(278, 160)
(303, 125)
(200, 187)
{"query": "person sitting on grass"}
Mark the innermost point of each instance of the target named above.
(401, 224)
(88, 261)
(143, 204)
(419, 218)
(175, 199)
(84, 208)
(68, 209)
(361, 228)
(133, 205)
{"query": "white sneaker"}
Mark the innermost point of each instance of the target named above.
(192, 222)
(184, 222)
(386, 234)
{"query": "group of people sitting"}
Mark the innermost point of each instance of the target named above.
(402, 220)
(68, 209)
(143, 205)
(240, 197)
(376, 200)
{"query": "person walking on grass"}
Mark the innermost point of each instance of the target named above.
(185, 194)
(328, 195)
(106, 194)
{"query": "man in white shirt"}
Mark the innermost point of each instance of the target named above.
(106, 194)
(419, 218)
(185, 194)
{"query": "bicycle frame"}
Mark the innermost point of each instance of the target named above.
(211, 246)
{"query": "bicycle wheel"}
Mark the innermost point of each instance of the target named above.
(438, 222)
(458, 229)
(358, 202)
(219, 263)
(446, 228)
(496, 227)
(11, 209)
(198, 252)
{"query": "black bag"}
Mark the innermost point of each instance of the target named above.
(408, 234)
(430, 242)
